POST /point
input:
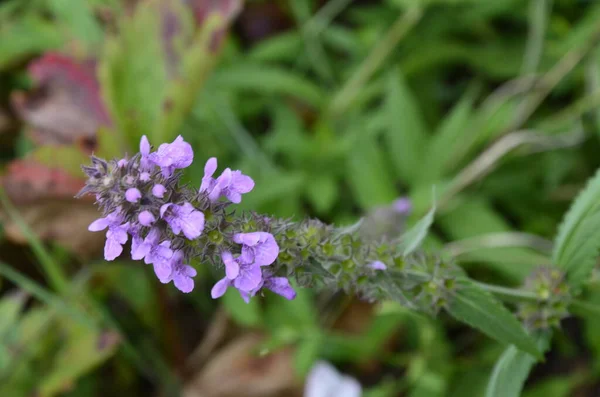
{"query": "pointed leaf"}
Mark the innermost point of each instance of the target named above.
(512, 369)
(413, 238)
(406, 132)
(578, 241)
(479, 309)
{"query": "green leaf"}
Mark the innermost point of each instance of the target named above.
(512, 369)
(247, 314)
(413, 238)
(268, 80)
(479, 309)
(368, 176)
(307, 353)
(84, 350)
(67, 158)
(322, 192)
(578, 240)
(10, 307)
(446, 139)
(133, 76)
(27, 36)
(406, 132)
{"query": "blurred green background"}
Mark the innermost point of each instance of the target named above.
(335, 108)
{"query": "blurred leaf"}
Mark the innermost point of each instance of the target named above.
(246, 314)
(479, 309)
(322, 192)
(267, 79)
(25, 37)
(307, 353)
(83, 351)
(447, 137)
(65, 158)
(406, 132)
(133, 76)
(413, 238)
(368, 176)
(10, 306)
(78, 18)
(578, 240)
(512, 369)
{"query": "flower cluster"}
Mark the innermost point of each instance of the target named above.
(141, 199)
(173, 227)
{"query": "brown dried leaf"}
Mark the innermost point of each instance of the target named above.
(44, 199)
(237, 371)
(65, 105)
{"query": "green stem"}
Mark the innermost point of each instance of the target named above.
(511, 294)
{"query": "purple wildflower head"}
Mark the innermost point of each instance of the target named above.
(258, 247)
(172, 156)
(183, 218)
(116, 235)
(231, 184)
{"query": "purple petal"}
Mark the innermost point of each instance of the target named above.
(377, 265)
(240, 182)
(139, 249)
(402, 205)
(145, 176)
(249, 278)
(144, 146)
(233, 196)
(209, 170)
(99, 224)
(219, 289)
(118, 233)
(249, 239)
(192, 225)
(163, 271)
(245, 296)
(164, 209)
(183, 283)
(232, 268)
(158, 190)
(112, 249)
(122, 163)
(281, 286)
(146, 218)
(133, 195)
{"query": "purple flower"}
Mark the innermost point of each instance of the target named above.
(151, 252)
(183, 218)
(377, 265)
(158, 190)
(133, 195)
(231, 184)
(116, 235)
(145, 152)
(146, 218)
(402, 206)
(244, 275)
(181, 274)
(122, 163)
(259, 248)
(172, 156)
(280, 286)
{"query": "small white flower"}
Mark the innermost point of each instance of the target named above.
(325, 381)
